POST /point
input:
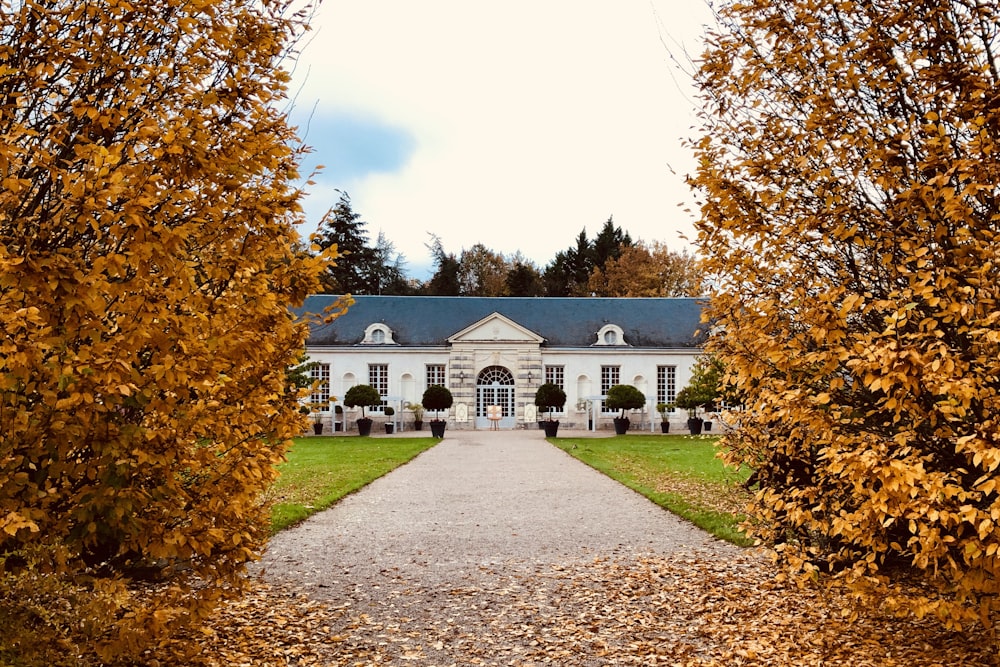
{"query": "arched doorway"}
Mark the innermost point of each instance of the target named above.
(495, 386)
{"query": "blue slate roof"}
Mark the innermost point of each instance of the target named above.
(562, 322)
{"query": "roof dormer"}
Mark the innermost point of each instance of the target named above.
(611, 334)
(378, 333)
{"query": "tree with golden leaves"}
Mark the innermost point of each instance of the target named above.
(147, 212)
(850, 169)
(647, 270)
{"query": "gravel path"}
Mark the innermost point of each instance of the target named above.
(474, 528)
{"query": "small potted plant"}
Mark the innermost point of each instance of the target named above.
(550, 396)
(437, 397)
(338, 420)
(363, 395)
(624, 397)
(664, 410)
(390, 426)
(418, 415)
(317, 419)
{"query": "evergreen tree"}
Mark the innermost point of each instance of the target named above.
(524, 279)
(608, 245)
(556, 277)
(386, 272)
(445, 281)
(343, 227)
(580, 263)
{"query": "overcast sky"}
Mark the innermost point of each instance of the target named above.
(514, 124)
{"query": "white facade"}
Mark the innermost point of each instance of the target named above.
(497, 361)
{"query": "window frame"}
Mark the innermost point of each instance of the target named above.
(666, 385)
(556, 374)
(378, 377)
(610, 376)
(320, 371)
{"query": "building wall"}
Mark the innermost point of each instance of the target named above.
(463, 361)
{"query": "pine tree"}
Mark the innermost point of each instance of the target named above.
(342, 228)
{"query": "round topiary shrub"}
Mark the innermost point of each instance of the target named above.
(624, 397)
(437, 397)
(550, 396)
(363, 395)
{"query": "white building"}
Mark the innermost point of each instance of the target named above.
(497, 351)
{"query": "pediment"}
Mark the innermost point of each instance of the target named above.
(496, 328)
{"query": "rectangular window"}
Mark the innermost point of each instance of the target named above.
(556, 375)
(320, 374)
(378, 377)
(609, 377)
(435, 375)
(666, 384)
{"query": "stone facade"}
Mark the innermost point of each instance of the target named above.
(498, 352)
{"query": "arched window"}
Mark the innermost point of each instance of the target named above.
(496, 375)
(611, 334)
(378, 334)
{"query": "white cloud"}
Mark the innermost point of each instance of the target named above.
(529, 120)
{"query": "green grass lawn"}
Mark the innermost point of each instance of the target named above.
(322, 470)
(678, 472)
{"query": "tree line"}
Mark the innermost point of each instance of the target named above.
(611, 264)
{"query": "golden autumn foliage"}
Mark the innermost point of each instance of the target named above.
(647, 270)
(147, 213)
(851, 171)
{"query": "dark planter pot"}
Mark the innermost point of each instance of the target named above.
(389, 428)
(365, 426)
(318, 429)
(337, 426)
(707, 426)
(664, 427)
(418, 426)
(541, 424)
(694, 425)
(437, 428)
(551, 428)
(621, 425)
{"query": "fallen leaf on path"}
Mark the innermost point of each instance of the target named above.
(656, 611)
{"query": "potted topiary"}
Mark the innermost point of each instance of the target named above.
(624, 397)
(702, 391)
(663, 409)
(363, 395)
(437, 397)
(550, 396)
(418, 415)
(688, 399)
(390, 426)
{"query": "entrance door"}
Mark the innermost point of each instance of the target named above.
(495, 386)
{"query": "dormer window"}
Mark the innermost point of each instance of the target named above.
(378, 334)
(610, 334)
